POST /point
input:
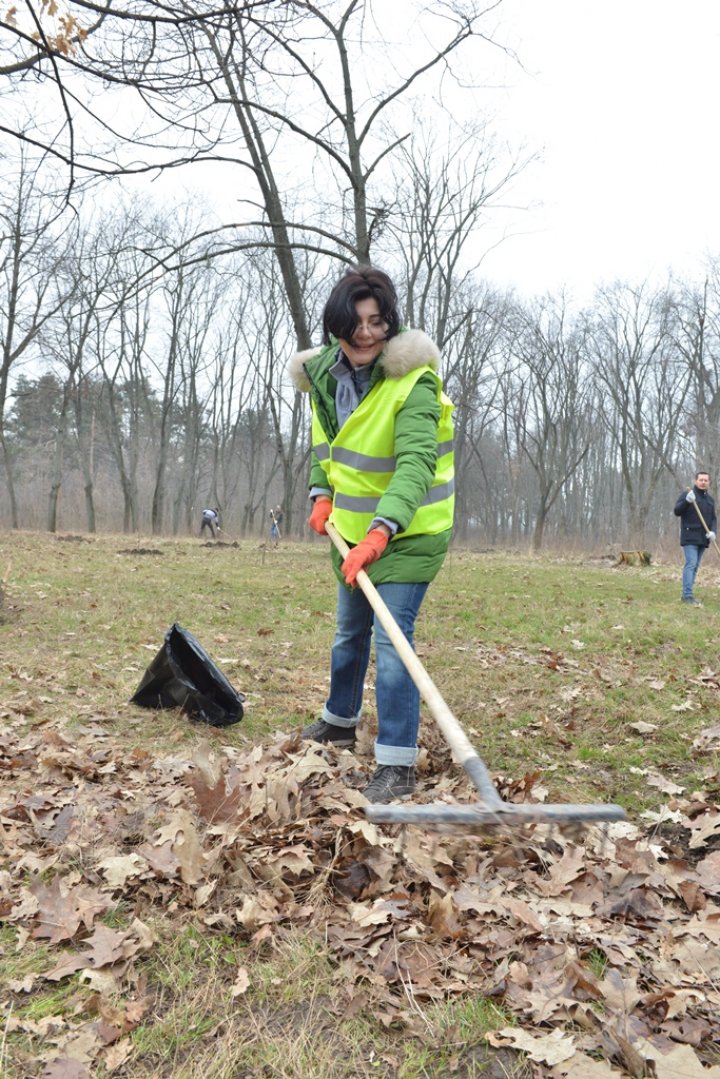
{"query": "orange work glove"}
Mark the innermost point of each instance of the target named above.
(322, 508)
(366, 552)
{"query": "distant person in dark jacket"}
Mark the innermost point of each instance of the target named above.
(697, 530)
(276, 518)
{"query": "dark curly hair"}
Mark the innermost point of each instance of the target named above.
(359, 283)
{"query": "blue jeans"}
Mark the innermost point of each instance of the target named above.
(693, 556)
(396, 696)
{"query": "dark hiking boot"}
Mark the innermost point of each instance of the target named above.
(390, 781)
(329, 734)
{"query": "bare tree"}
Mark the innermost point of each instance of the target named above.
(69, 340)
(697, 338)
(632, 336)
(31, 250)
(474, 360)
(122, 334)
(444, 193)
(223, 85)
(553, 403)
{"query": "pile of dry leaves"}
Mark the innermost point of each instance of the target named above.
(603, 948)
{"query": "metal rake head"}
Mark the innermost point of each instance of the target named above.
(480, 814)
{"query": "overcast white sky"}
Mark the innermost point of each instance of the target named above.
(621, 97)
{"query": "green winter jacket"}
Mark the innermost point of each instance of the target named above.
(408, 559)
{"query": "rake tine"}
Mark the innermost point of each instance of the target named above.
(605, 840)
(491, 809)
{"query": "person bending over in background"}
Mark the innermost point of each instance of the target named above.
(694, 536)
(382, 472)
(211, 520)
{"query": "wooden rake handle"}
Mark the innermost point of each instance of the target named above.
(703, 522)
(462, 750)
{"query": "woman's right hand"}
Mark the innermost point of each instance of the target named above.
(322, 508)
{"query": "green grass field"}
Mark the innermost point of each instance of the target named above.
(580, 681)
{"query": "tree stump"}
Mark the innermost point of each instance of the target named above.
(634, 558)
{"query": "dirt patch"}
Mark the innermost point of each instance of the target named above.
(140, 550)
(676, 840)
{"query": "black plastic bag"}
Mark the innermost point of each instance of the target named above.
(182, 675)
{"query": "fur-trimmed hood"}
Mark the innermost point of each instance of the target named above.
(403, 353)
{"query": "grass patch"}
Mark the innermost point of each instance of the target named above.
(573, 653)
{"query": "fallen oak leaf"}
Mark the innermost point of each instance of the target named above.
(621, 995)
(105, 948)
(550, 1049)
(108, 980)
(637, 906)
(22, 985)
(176, 846)
(581, 1066)
(707, 738)
(643, 728)
(117, 1054)
(219, 799)
(204, 893)
(629, 1054)
(125, 1017)
(679, 999)
(665, 785)
(304, 765)
(680, 1061)
(442, 915)
(293, 861)
(161, 858)
(117, 868)
(708, 871)
(258, 910)
(81, 1044)
(704, 828)
(665, 814)
(692, 895)
(62, 911)
(188, 850)
(382, 910)
(688, 1030)
(520, 910)
(65, 1068)
(69, 964)
(241, 983)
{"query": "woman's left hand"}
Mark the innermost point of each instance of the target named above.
(366, 552)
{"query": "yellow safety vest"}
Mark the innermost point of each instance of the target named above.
(359, 463)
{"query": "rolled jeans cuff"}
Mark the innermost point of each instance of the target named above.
(339, 721)
(403, 756)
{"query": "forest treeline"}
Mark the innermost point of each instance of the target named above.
(140, 396)
(144, 342)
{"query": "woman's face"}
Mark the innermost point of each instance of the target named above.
(368, 339)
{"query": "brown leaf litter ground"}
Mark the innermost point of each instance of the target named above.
(602, 952)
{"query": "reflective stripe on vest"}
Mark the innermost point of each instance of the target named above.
(360, 476)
